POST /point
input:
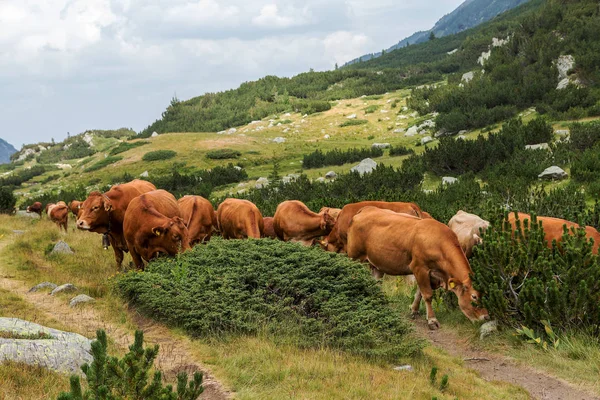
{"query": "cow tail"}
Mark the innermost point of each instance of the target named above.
(253, 226)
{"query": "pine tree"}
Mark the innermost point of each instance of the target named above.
(432, 36)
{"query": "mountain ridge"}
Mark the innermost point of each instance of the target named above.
(6, 150)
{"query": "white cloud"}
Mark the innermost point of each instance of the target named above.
(270, 17)
(343, 45)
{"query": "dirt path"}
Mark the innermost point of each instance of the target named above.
(175, 352)
(494, 367)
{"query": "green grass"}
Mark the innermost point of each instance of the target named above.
(125, 146)
(371, 109)
(103, 163)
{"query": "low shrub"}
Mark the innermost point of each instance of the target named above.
(294, 293)
(125, 146)
(584, 136)
(103, 163)
(396, 151)
(7, 200)
(223, 154)
(159, 155)
(65, 194)
(200, 182)
(318, 159)
(17, 178)
(586, 168)
(371, 109)
(353, 122)
(523, 282)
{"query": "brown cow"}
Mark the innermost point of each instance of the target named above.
(553, 229)
(199, 216)
(467, 228)
(295, 222)
(59, 214)
(36, 208)
(104, 212)
(239, 219)
(334, 212)
(269, 230)
(400, 244)
(337, 239)
(153, 226)
(75, 206)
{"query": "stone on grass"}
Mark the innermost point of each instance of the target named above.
(331, 175)
(539, 146)
(144, 174)
(22, 213)
(412, 131)
(562, 132)
(406, 367)
(79, 299)
(326, 137)
(487, 329)
(18, 232)
(261, 183)
(366, 166)
(448, 180)
(62, 248)
(320, 179)
(351, 116)
(553, 172)
(43, 285)
(63, 352)
(380, 146)
(67, 287)
(279, 139)
(426, 139)
(154, 134)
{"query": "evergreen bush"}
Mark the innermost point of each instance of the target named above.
(159, 155)
(223, 154)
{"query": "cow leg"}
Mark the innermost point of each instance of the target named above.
(377, 274)
(424, 282)
(416, 303)
(118, 252)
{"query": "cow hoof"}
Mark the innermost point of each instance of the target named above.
(433, 324)
(414, 314)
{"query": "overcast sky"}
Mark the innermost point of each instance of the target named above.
(72, 65)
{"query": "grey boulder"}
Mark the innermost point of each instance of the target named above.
(426, 139)
(380, 146)
(62, 248)
(539, 146)
(43, 285)
(366, 166)
(79, 299)
(448, 180)
(553, 173)
(67, 287)
(331, 175)
(487, 329)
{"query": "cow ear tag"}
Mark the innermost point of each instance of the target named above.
(452, 284)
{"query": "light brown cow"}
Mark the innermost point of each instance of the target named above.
(337, 239)
(75, 206)
(269, 230)
(239, 219)
(295, 222)
(153, 226)
(553, 228)
(467, 228)
(59, 214)
(334, 212)
(400, 244)
(36, 208)
(199, 216)
(104, 212)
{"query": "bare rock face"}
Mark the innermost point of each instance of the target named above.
(43, 285)
(58, 351)
(366, 166)
(380, 146)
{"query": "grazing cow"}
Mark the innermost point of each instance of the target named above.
(553, 228)
(337, 239)
(467, 228)
(269, 230)
(59, 214)
(401, 244)
(104, 212)
(334, 212)
(153, 226)
(239, 219)
(199, 216)
(75, 206)
(295, 222)
(36, 208)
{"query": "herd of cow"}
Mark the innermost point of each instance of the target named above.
(395, 238)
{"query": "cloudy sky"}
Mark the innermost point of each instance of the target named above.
(72, 65)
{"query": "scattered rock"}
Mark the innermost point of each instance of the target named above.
(286, 130)
(62, 248)
(231, 131)
(326, 137)
(426, 139)
(64, 352)
(154, 134)
(279, 139)
(562, 132)
(448, 180)
(287, 115)
(351, 116)
(384, 111)
(463, 132)
(468, 77)
(82, 298)
(67, 287)
(320, 179)
(412, 131)
(144, 174)
(237, 167)
(553, 173)
(64, 166)
(261, 183)
(441, 133)
(254, 122)
(380, 146)
(403, 368)
(427, 191)
(452, 52)
(463, 137)
(88, 138)
(366, 166)
(331, 175)
(223, 132)
(543, 146)
(427, 124)
(43, 285)
(487, 329)
(399, 130)
(289, 178)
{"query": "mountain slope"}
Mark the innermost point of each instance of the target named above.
(6, 150)
(469, 14)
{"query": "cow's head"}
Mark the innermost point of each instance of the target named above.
(94, 213)
(469, 300)
(328, 246)
(170, 237)
(327, 221)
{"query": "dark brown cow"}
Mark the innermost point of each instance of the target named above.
(153, 226)
(295, 222)
(36, 208)
(239, 219)
(59, 214)
(269, 230)
(337, 239)
(553, 228)
(199, 216)
(104, 212)
(400, 244)
(75, 207)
